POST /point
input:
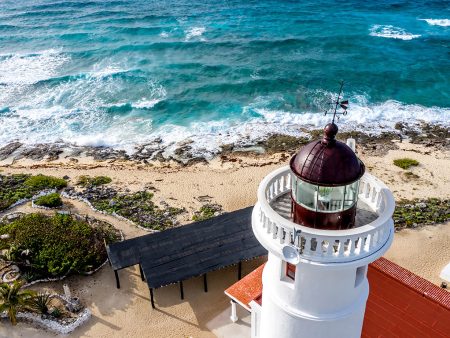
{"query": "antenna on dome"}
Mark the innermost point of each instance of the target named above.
(339, 103)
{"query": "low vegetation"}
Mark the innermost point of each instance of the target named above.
(68, 244)
(137, 207)
(412, 214)
(89, 181)
(405, 163)
(19, 186)
(207, 211)
(41, 303)
(52, 200)
(283, 143)
(13, 299)
(41, 182)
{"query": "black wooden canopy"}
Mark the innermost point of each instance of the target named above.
(192, 250)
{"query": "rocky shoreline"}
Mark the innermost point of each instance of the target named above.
(433, 136)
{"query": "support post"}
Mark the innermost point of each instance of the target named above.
(234, 318)
(116, 273)
(181, 290)
(239, 270)
(205, 283)
(141, 272)
(152, 300)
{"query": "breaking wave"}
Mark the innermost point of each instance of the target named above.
(125, 131)
(391, 32)
(437, 22)
(195, 32)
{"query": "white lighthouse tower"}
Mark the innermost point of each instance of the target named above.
(322, 220)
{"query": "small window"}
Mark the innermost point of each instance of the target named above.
(360, 274)
(290, 271)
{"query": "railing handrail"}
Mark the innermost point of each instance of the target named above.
(386, 209)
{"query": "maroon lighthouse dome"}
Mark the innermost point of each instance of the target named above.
(325, 183)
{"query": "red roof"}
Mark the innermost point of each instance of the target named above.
(401, 304)
(247, 289)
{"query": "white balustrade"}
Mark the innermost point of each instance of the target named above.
(324, 245)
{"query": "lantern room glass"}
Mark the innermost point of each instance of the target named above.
(324, 199)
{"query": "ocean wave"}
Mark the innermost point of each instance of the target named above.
(391, 32)
(437, 22)
(208, 137)
(128, 129)
(195, 32)
(108, 70)
(26, 69)
(147, 103)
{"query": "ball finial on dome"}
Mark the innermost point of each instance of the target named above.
(329, 133)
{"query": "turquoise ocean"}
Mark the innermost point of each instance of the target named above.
(122, 73)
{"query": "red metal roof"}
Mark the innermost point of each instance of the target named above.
(247, 289)
(401, 304)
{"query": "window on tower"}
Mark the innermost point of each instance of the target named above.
(290, 271)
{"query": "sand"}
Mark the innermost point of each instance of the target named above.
(127, 312)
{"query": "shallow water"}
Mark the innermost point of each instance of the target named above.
(118, 73)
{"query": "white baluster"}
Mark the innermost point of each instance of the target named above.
(341, 248)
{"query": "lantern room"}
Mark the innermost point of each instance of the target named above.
(325, 183)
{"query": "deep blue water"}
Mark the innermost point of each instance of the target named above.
(124, 72)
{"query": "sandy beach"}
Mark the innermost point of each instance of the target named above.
(231, 182)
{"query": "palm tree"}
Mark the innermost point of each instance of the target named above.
(13, 299)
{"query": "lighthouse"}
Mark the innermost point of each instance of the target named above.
(323, 219)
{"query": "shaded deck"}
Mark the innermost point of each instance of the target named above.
(177, 254)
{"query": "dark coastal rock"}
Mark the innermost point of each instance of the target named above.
(104, 153)
(227, 148)
(434, 136)
(41, 151)
(7, 150)
(375, 145)
(283, 143)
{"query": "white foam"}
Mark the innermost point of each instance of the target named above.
(26, 69)
(108, 70)
(437, 22)
(373, 119)
(83, 125)
(391, 32)
(164, 34)
(195, 32)
(146, 103)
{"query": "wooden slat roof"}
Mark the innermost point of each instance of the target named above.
(192, 250)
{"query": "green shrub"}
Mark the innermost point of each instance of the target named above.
(41, 182)
(406, 163)
(58, 244)
(16, 187)
(206, 211)
(56, 313)
(50, 201)
(86, 181)
(13, 189)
